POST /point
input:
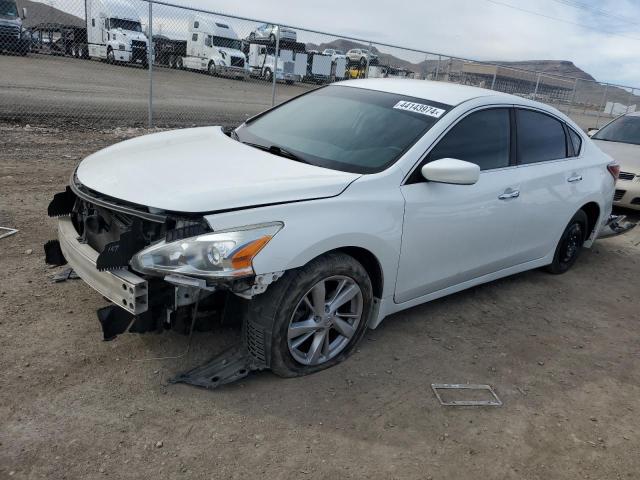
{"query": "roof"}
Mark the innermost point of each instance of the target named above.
(443, 92)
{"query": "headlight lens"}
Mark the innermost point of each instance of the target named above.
(213, 255)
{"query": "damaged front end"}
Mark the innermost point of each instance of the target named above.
(161, 271)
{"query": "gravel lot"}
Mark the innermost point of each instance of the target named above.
(61, 91)
(561, 351)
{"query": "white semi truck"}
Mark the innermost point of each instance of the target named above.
(114, 32)
(291, 65)
(213, 46)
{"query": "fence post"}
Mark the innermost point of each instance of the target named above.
(535, 92)
(424, 68)
(602, 104)
(629, 100)
(573, 95)
(366, 72)
(150, 63)
(275, 67)
(438, 67)
(493, 81)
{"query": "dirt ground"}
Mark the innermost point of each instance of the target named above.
(562, 352)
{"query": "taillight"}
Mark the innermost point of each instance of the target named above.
(614, 170)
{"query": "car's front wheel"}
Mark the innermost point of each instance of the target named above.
(319, 313)
(570, 244)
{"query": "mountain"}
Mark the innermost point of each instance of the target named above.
(38, 13)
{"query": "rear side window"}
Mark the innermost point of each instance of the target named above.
(576, 141)
(540, 137)
(482, 138)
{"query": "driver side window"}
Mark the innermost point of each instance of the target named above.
(483, 138)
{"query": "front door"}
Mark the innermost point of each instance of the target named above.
(455, 233)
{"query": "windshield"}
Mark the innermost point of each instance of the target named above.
(625, 129)
(345, 128)
(227, 43)
(8, 8)
(125, 24)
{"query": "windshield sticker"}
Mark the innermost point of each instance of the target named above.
(419, 108)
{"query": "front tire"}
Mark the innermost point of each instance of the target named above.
(212, 69)
(111, 57)
(319, 314)
(570, 244)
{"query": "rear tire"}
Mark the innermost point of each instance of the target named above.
(570, 244)
(287, 302)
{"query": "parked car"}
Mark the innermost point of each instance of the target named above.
(620, 138)
(268, 31)
(359, 55)
(317, 219)
(335, 54)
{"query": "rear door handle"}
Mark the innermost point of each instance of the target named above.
(509, 194)
(574, 178)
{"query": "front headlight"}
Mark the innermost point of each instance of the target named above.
(212, 255)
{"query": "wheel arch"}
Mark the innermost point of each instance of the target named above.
(370, 263)
(592, 210)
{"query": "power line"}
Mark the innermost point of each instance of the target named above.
(595, 10)
(587, 27)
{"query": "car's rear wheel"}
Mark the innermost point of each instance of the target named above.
(570, 244)
(319, 314)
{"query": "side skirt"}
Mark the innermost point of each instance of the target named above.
(388, 306)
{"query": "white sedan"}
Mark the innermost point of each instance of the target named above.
(315, 220)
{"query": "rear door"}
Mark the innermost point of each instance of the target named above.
(455, 233)
(552, 174)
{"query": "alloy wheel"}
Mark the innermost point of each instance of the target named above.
(325, 320)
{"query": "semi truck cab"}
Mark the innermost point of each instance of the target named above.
(214, 46)
(114, 32)
(13, 36)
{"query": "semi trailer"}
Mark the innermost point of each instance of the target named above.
(114, 32)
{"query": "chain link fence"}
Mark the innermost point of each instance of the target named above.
(124, 63)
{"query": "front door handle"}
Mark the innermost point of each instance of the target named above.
(509, 194)
(574, 178)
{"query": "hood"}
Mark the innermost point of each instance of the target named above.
(203, 170)
(130, 35)
(231, 52)
(626, 154)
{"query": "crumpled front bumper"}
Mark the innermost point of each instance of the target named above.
(121, 286)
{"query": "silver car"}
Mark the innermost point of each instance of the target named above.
(269, 31)
(620, 139)
(359, 55)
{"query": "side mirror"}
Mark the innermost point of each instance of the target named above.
(592, 131)
(450, 170)
(24, 12)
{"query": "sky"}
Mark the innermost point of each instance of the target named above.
(600, 36)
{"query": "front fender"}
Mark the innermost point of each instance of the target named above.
(366, 215)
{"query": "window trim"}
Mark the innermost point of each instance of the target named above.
(414, 176)
(567, 140)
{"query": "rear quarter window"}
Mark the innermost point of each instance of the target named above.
(576, 141)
